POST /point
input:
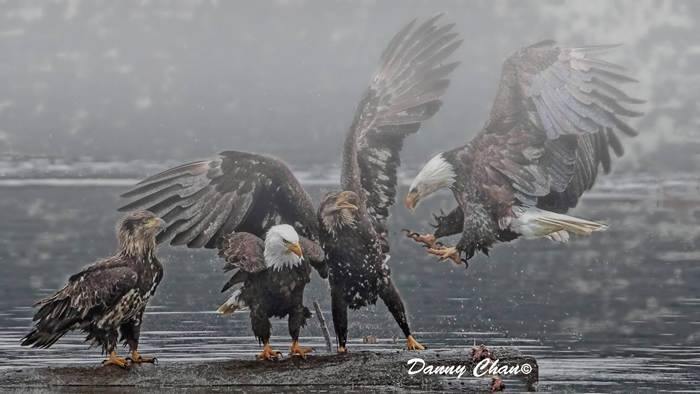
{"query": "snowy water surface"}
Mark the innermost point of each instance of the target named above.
(617, 311)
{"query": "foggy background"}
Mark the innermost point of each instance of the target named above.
(167, 80)
(121, 89)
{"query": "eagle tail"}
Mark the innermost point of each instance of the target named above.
(233, 304)
(54, 319)
(42, 339)
(561, 236)
(538, 223)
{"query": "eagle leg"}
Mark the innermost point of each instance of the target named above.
(427, 239)
(340, 318)
(114, 360)
(295, 349)
(268, 353)
(412, 344)
(392, 300)
(445, 253)
(137, 359)
(131, 331)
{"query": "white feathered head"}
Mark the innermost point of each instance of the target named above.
(282, 247)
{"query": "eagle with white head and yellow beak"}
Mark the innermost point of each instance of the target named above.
(233, 203)
(274, 275)
(552, 125)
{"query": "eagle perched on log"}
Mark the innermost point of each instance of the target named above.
(552, 126)
(405, 91)
(206, 201)
(232, 203)
(274, 275)
(108, 298)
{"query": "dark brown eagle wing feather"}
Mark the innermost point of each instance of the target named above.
(551, 126)
(98, 286)
(205, 200)
(405, 91)
(244, 251)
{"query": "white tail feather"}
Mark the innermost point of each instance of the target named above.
(560, 236)
(536, 223)
(233, 304)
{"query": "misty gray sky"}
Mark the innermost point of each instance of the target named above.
(180, 80)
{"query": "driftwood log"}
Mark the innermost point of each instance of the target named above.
(324, 327)
(338, 372)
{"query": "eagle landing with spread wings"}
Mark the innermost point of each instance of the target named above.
(552, 127)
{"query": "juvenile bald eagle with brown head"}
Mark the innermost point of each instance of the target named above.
(108, 298)
(404, 92)
(206, 201)
(552, 126)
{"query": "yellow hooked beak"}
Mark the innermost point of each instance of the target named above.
(295, 248)
(342, 202)
(411, 200)
(156, 223)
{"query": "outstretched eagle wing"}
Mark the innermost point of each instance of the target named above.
(551, 126)
(236, 192)
(405, 91)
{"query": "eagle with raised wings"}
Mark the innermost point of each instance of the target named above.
(107, 299)
(206, 201)
(551, 127)
(405, 91)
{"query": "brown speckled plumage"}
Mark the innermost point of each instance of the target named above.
(109, 297)
(404, 92)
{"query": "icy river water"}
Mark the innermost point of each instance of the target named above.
(619, 311)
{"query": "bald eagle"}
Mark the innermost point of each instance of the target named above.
(108, 298)
(219, 203)
(274, 274)
(405, 91)
(206, 201)
(552, 125)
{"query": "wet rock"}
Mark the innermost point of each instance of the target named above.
(356, 372)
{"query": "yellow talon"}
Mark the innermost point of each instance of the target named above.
(341, 349)
(268, 353)
(114, 360)
(295, 349)
(413, 344)
(136, 358)
(427, 239)
(446, 253)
